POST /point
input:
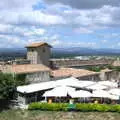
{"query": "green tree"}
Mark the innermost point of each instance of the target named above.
(20, 79)
(8, 84)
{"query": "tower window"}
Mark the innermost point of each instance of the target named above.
(43, 49)
(32, 50)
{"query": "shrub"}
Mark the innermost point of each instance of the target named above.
(113, 108)
(49, 107)
(78, 107)
(117, 108)
(102, 108)
(83, 107)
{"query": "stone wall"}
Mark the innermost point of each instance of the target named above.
(55, 63)
(40, 55)
(94, 77)
(38, 77)
(32, 55)
(116, 63)
(6, 68)
(110, 75)
(43, 55)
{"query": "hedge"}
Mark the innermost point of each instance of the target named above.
(49, 107)
(90, 107)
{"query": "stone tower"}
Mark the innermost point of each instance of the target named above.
(39, 53)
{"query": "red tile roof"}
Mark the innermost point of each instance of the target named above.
(37, 44)
(28, 68)
(64, 72)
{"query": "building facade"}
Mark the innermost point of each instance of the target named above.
(39, 53)
(38, 77)
(35, 73)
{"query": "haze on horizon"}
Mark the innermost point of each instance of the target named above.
(62, 23)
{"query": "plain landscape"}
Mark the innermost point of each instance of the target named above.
(13, 53)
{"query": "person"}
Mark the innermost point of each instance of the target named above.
(49, 100)
(96, 101)
(71, 101)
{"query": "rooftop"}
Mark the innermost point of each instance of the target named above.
(64, 72)
(106, 70)
(116, 63)
(71, 81)
(37, 44)
(28, 68)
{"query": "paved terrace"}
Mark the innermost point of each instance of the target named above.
(55, 63)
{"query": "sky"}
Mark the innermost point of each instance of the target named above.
(61, 23)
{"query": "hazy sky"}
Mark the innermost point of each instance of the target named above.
(62, 23)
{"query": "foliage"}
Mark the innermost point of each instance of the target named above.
(49, 107)
(96, 68)
(78, 107)
(8, 84)
(115, 68)
(99, 68)
(20, 79)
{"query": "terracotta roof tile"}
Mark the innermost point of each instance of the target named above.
(64, 72)
(37, 44)
(28, 68)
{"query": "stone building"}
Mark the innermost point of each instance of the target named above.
(35, 67)
(77, 63)
(111, 75)
(80, 74)
(38, 53)
(35, 73)
(83, 74)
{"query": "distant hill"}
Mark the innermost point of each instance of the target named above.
(12, 53)
(87, 50)
(75, 51)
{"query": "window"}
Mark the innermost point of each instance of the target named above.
(32, 50)
(43, 49)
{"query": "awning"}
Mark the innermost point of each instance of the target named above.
(97, 87)
(69, 82)
(47, 85)
(114, 97)
(80, 94)
(61, 91)
(101, 94)
(108, 83)
(115, 91)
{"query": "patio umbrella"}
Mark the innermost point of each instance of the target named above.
(101, 94)
(114, 97)
(97, 87)
(61, 91)
(80, 94)
(115, 91)
(108, 83)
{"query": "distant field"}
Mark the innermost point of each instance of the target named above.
(47, 115)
